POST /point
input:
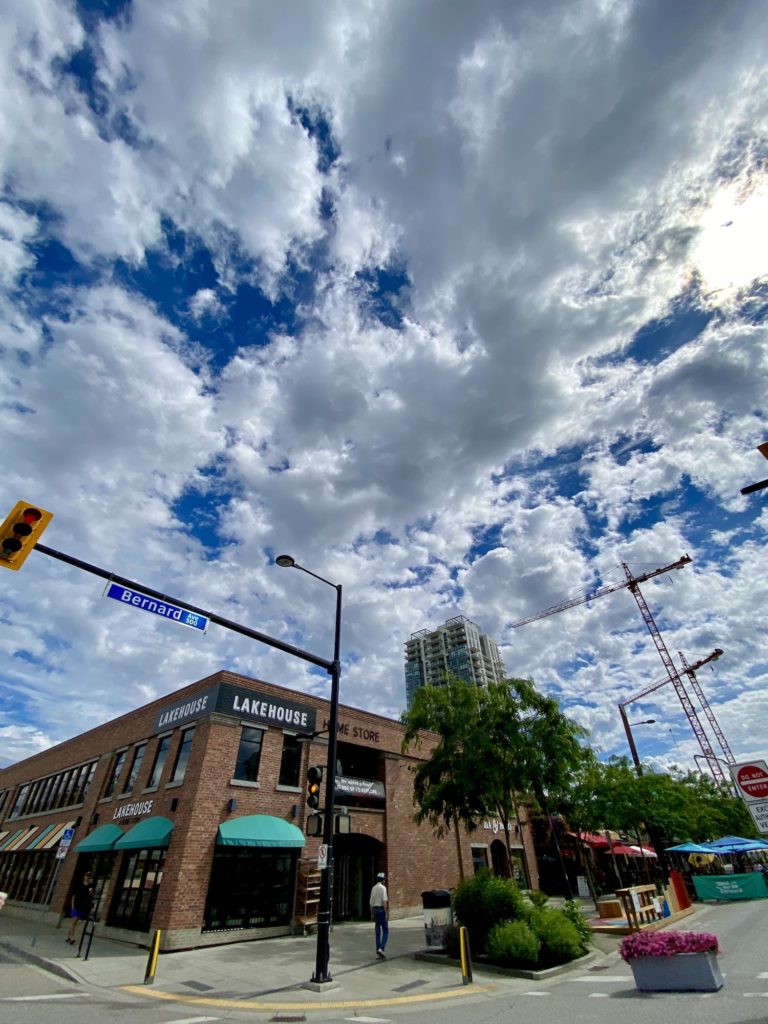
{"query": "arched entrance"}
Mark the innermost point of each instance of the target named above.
(500, 859)
(356, 859)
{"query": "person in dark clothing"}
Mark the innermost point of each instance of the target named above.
(81, 904)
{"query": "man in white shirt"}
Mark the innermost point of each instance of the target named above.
(379, 902)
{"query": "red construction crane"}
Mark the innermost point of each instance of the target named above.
(586, 598)
(690, 670)
(631, 582)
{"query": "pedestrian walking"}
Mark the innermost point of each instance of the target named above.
(81, 904)
(379, 902)
(3, 898)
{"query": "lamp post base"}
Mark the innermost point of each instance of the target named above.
(321, 986)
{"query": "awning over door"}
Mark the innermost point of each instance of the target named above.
(148, 834)
(102, 838)
(259, 830)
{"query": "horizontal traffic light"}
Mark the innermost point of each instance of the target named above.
(20, 532)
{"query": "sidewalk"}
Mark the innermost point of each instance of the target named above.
(271, 972)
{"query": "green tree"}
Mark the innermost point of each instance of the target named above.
(498, 745)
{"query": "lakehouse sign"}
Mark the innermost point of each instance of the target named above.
(238, 702)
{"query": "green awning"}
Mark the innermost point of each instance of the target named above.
(148, 834)
(102, 838)
(259, 830)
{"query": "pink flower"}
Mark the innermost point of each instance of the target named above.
(667, 944)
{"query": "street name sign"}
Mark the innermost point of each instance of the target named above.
(751, 780)
(136, 599)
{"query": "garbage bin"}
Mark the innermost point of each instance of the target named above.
(438, 915)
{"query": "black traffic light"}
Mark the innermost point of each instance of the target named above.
(314, 778)
(20, 532)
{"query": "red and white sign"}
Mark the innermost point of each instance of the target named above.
(752, 780)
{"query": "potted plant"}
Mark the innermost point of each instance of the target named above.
(671, 961)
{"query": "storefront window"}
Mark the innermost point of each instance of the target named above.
(479, 858)
(182, 757)
(159, 764)
(136, 891)
(114, 775)
(290, 762)
(250, 887)
(248, 754)
(138, 757)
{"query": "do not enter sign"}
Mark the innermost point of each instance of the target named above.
(752, 780)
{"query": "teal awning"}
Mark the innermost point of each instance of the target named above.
(102, 838)
(259, 830)
(148, 834)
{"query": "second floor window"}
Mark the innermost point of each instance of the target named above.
(248, 754)
(133, 774)
(114, 775)
(290, 761)
(159, 763)
(182, 757)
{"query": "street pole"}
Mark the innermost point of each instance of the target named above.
(325, 913)
(630, 740)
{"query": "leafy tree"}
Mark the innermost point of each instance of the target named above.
(497, 745)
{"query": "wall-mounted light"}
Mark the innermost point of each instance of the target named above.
(94, 819)
(232, 805)
(174, 803)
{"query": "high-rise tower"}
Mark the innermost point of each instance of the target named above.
(456, 648)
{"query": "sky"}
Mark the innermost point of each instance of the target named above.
(462, 305)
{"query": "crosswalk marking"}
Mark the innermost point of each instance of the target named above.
(593, 979)
(537, 993)
(40, 999)
(598, 995)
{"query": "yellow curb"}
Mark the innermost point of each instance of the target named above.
(341, 1004)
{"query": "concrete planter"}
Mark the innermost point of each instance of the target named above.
(684, 972)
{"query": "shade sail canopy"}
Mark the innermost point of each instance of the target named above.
(148, 834)
(102, 838)
(259, 830)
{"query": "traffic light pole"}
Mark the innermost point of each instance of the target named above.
(236, 627)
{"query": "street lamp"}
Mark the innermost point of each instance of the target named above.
(325, 913)
(630, 739)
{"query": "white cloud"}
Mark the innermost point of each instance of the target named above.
(547, 181)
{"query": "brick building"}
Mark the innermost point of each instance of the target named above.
(204, 791)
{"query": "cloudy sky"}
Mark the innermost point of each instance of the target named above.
(461, 304)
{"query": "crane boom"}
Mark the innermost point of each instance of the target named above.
(690, 671)
(602, 591)
(717, 653)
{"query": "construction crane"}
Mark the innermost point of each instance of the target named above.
(690, 670)
(610, 589)
(632, 584)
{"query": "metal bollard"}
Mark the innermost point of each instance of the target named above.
(466, 957)
(149, 975)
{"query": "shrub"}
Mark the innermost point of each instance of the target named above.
(512, 944)
(577, 919)
(667, 944)
(537, 897)
(560, 939)
(483, 901)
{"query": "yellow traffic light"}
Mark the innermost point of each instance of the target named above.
(20, 532)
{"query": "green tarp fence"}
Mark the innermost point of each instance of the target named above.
(731, 887)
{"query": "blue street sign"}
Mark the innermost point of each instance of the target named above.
(152, 604)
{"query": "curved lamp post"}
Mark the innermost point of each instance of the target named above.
(325, 913)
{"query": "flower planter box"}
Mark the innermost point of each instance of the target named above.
(684, 972)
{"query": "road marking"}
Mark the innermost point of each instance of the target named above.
(763, 975)
(597, 995)
(307, 1005)
(537, 993)
(758, 995)
(605, 977)
(364, 1020)
(40, 999)
(195, 1020)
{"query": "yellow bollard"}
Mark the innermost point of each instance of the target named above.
(154, 950)
(466, 958)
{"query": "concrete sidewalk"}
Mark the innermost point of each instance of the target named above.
(270, 973)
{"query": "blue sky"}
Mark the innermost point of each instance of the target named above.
(463, 305)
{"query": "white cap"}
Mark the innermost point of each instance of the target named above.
(381, 875)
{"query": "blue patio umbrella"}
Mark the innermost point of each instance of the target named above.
(736, 844)
(690, 848)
